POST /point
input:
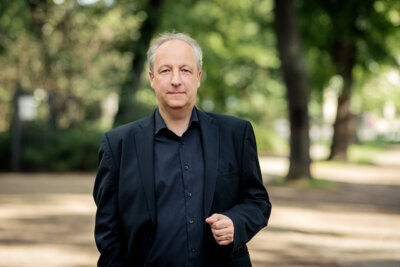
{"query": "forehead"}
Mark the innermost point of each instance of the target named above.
(175, 51)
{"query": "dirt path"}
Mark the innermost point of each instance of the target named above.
(355, 222)
(349, 225)
(47, 220)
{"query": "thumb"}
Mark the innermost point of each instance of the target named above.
(213, 218)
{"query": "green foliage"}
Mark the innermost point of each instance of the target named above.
(83, 54)
(13, 20)
(238, 50)
(73, 149)
(306, 183)
(314, 184)
(65, 49)
(365, 152)
(268, 141)
(373, 27)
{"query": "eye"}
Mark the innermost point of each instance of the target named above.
(164, 70)
(186, 70)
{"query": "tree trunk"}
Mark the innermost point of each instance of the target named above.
(344, 58)
(126, 111)
(38, 12)
(297, 87)
(16, 132)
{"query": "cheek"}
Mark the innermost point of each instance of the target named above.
(158, 84)
(192, 83)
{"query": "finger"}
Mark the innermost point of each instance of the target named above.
(223, 235)
(222, 232)
(223, 238)
(223, 223)
(213, 218)
(224, 242)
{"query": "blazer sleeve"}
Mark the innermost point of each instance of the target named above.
(105, 193)
(251, 214)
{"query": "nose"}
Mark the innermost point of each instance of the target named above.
(176, 79)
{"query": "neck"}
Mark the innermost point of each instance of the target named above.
(177, 120)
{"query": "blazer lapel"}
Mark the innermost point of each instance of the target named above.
(210, 140)
(145, 154)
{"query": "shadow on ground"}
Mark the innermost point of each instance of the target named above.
(347, 225)
(48, 220)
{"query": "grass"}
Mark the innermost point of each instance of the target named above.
(268, 141)
(364, 153)
(305, 183)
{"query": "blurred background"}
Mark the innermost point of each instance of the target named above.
(319, 80)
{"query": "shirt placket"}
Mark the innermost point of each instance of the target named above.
(191, 220)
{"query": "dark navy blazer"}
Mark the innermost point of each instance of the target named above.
(125, 196)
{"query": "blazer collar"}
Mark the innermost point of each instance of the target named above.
(144, 140)
(210, 140)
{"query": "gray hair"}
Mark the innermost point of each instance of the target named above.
(168, 36)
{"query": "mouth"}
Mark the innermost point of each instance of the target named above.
(176, 93)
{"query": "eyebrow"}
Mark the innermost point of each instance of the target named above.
(186, 65)
(170, 66)
(164, 66)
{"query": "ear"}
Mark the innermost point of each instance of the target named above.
(151, 76)
(198, 79)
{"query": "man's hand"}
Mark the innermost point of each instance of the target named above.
(222, 228)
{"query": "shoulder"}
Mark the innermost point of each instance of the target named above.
(226, 120)
(128, 130)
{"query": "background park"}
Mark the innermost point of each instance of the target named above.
(319, 80)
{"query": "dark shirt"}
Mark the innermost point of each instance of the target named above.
(179, 179)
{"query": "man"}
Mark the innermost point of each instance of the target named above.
(180, 187)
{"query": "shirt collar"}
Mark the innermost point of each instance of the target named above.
(160, 124)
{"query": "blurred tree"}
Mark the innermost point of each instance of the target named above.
(76, 54)
(16, 134)
(13, 23)
(41, 29)
(9, 30)
(52, 49)
(130, 109)
(343, 35)
(241, 66)
(59, 47)
(297, 87)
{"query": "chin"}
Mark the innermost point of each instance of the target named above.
(177, 105)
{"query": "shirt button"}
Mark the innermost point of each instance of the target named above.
(191, 221)
(182, 143)
(194, 250)
(186, 167)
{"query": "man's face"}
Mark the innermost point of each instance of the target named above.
(176, 78)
